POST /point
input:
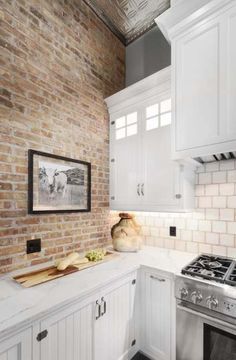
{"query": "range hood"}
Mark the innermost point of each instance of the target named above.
(216, 157)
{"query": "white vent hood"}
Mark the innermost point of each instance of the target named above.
(178, 19)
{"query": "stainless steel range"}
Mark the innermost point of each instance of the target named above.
(206, 309)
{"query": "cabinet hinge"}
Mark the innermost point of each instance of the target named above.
(43, 334)
(134, 282)
(112, 197)
(133, 342)
(112, 160)
(112, 122)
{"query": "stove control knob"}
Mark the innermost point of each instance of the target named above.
(212, 302)
(183, 293)
(196, 297)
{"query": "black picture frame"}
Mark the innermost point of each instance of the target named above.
(31, 158)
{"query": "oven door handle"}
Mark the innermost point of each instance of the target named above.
(206, 316)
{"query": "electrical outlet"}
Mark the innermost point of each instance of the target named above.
(172, 230)
(33, 246)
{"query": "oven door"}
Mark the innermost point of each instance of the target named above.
(200, 336)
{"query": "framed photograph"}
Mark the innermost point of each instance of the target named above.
(57, 184)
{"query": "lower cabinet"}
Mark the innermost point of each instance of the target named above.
(158, 320)
(68, 334)
(17, 347)
(115, 328)
(102, 327)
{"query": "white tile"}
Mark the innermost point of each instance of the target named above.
(180, 223)
(227, 214)
(192, 247)
(164, 232)
(154, 231)
(204, 178)
(212, 238)
(159, 222)
(219, 202)
(212, 214)
(226, 189)
(219, 177)
(201, 169)
(204, 225)
(191, 224)
(205, 248)
(199, 236)
(169, 243)
(231, 252)
(219, 226)
(219, 250)
(232, 227)
(199, 214)
(231, 202)
(227, 165)
(213, 166)
(199, 190)
(146, 230)
(204, 202)
(180, 245)
(232, 176)
(212, 189)
(227, 239)
(186, 235)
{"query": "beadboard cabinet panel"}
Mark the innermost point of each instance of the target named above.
(231, 75)
(157, 315)
(17, 347)
(115, 330)
(70, 333)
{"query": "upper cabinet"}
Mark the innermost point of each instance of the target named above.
(142, 174)
(204, 76)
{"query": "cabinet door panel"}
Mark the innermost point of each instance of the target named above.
(157, 321)
(114, 331)
(70, 335)
(162, 175)
(231, 128)
(125, 168)
(198, 88)
(17, 347)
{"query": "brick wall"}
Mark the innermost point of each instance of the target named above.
(211, 228)
(58, 62)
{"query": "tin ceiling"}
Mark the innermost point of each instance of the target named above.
(128, 19)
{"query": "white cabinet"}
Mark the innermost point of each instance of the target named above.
(17, 347)
(115, 329)
(204, 76)
(142, 174)
(69, 333)
(157, 311)
(99, 327)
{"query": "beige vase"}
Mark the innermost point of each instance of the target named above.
(126, 234)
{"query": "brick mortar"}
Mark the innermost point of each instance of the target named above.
(58, 63)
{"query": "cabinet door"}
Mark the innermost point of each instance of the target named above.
(157, 324)
(70, 334)
(124, 160)
(115, 330)
(17, 347)
(160, 187)
(198, 84)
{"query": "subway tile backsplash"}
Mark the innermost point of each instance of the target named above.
(211, 228)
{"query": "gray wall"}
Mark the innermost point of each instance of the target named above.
(146, 55)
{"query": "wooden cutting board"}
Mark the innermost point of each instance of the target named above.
(50, 273)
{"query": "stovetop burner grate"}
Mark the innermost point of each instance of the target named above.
(212, 267)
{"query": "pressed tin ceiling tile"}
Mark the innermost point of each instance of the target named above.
(128, 19)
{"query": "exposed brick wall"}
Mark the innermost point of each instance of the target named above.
(211, 228)
(58, 62)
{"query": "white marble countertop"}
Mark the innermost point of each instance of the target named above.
(20, 306)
